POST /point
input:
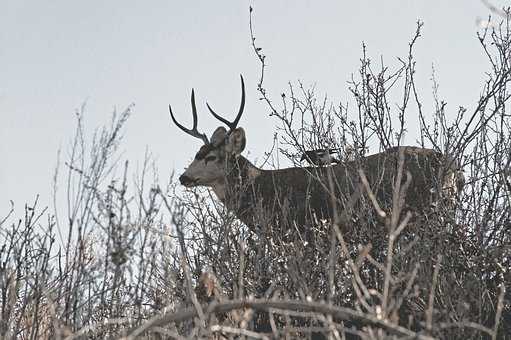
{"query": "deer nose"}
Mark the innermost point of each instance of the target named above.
(185, 180)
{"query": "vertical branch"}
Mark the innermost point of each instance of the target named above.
(431, 300)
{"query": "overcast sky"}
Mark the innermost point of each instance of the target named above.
(56, 55)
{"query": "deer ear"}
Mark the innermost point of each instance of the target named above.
(236, 143)
(218, 136)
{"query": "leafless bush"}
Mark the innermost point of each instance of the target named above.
(107, 265)
(444, 274)
(133, 258)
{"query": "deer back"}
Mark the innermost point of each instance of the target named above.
(303, 195)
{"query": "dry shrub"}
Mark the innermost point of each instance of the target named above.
(136, 259)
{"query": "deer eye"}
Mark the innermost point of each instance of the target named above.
(210, 158)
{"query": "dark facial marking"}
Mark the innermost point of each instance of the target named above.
(210, 158)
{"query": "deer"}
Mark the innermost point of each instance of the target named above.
(303, 195)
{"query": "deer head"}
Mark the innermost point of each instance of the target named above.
(214, 159)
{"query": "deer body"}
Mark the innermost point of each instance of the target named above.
(305, 194)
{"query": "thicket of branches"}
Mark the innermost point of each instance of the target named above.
(134, 257)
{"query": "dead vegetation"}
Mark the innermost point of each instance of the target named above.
(141, 259)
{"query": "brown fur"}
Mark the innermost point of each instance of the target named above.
(303, 195)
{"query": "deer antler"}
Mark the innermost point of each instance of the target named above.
(192, 132)
(232, 125)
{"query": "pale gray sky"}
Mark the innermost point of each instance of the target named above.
(55, 55)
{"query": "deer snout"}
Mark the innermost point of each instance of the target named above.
(186, 181)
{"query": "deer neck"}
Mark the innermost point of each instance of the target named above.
(240, 173)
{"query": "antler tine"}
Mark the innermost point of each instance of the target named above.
(192, 132)
(232, 125)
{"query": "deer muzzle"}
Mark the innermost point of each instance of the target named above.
(187, 181)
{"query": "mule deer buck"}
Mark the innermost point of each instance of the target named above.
(303, 194)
